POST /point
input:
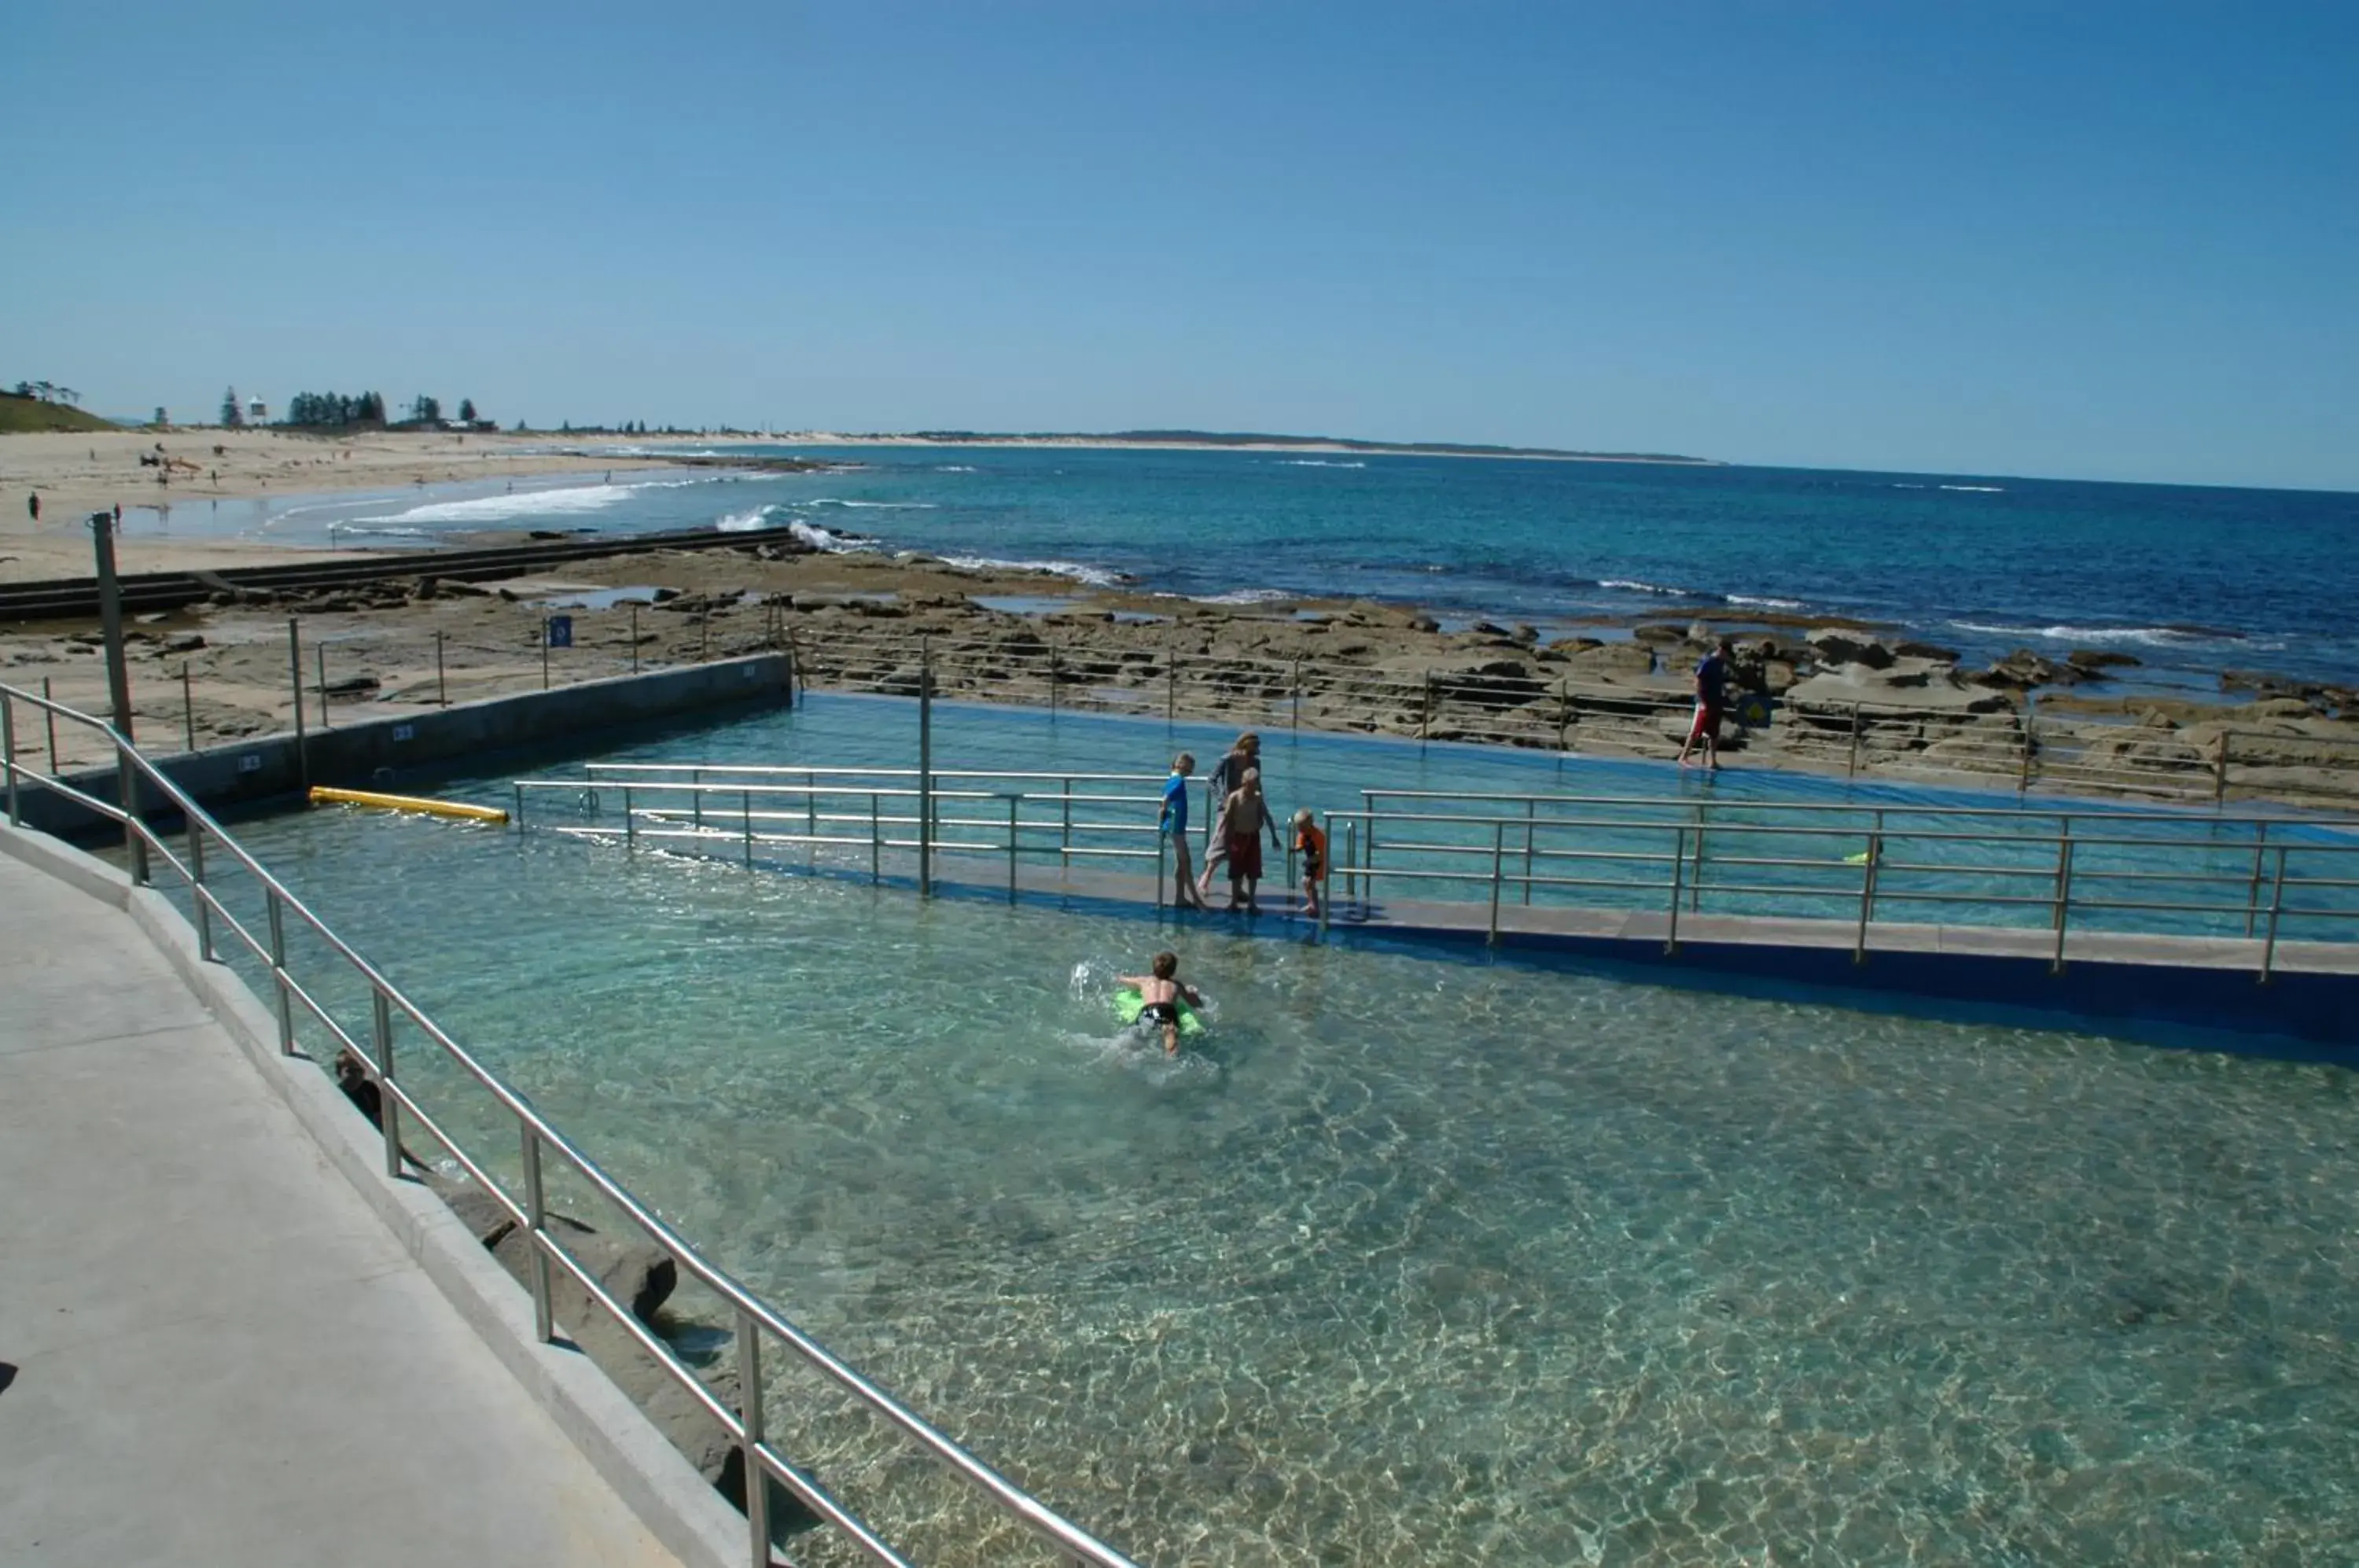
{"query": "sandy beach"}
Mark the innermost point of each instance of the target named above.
(74, 474)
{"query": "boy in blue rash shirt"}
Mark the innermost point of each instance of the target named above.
(1174, 826)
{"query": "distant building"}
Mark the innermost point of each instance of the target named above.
(257, 412)
(159, 415)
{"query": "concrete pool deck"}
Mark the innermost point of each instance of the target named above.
(214, 1347)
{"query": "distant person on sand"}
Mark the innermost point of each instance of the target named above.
(1310, 843)
(1711, 702)
(1159, 995)
(1245, 816)
(33, 504)
(1243, 752)
(1173, 825)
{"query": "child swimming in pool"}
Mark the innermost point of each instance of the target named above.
(1162, 993)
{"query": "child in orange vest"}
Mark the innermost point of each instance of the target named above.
(1311, 842)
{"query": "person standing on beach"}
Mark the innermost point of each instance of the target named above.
(1245, 752)
(1173, 825)
(1711, 702)
(33, 504)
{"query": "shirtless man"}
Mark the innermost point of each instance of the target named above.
(1245, 817)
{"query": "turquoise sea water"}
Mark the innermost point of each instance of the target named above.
(1417, 1260)
(2189, 580)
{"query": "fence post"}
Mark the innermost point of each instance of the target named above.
(2277, 907)
(2023, 778)
(2252, 895)
(279, 972)
(1498, 852)
(1328, 902)
(50, 715)
(1678, 875)
(1065, 843)
(441, 681)
(2220, 773)
(536, 1215)
(1531, 813)
(1853, 771)
(320, 652)
(188, 708)
(704, 635)
(2063, 894)
(634, 638)
(133, 839)
(8, 756)
(295, 679)
(544, 653)
(1867, 892)
(875, 840)
(925, 766)
(1052, 679)
(745, 815)
(1298, 693)
(1564, 711)
(1014, 798)
(388, 1111)
(1171, 683)
(750, 1416)
(1425, 713)
(197, 890)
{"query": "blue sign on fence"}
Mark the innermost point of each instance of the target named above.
(560, 631)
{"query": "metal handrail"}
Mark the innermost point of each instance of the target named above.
(745, 1426)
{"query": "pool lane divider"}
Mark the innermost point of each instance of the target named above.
(377, 754)
(324, 795)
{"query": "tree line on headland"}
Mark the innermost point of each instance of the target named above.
(338, 411)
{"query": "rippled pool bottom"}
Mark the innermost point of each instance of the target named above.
(1421, 1259)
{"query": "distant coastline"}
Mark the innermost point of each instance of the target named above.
(1222, 440)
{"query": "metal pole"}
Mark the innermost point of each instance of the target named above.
(1298, 693)
(635, 645)
(1065, 841)
(1052, 679)
(1679, 872)
(544, 653)
(1425, 713)
(295, 679)
(704, 635)
(696, 798)
(2277, 907)
(1351, 863)
(279, 972)
(536, 1215)
(1853, 771)
(2023, 778)
(2252, 895)
(1695, 883)
(321, 650)
(745, 805)
(1531, 811)
(50, 715)
(8, 756)
(630, 821)
(441, 683)
(1563, 712)
(2220, 773)
(197, 890)
(188, 707)
(1328, 902)
(2063, 894)
(1171, 685)
(925, 766)
(1498, 849)
(135, 836)
(110, 620)
(388, 1112)
(875, 842)
(1012, 801)
(1867, 890)
(750, 1414)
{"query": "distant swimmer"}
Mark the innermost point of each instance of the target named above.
(1164, 999)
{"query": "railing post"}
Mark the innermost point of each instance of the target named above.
(1498, 852)
(1851, 771)
(51, 716)
(1695, 883)
(2063, 894)
(1531, 815)
(1171, 685)
(2277, 907)
(630, 821)
(696, 797)
(750, 1415)
(8, 757)
(1351, 864)
(1425, 712)
(876, 842)
(745, 812)
(134, 830)
(1328, 902)
(535, 1217)
(188, 707)
(441, 681)
(1678, 873)
(295, 679)
(389, 1110)
(1065, 831)
(1053, 680)
(1013, 800)
(2023, 777)
(197, 890)
(2220, 773)
(279, 972)
(320, 653)
(1867, 890)
(925, 767)
(1298, 693)
(2253, 894)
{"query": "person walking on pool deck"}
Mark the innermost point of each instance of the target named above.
(1174, 826)
(1160, 996)
(1243, 752)
(1711, 702)
(1311, 842)
(1245, 816)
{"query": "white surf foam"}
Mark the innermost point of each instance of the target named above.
(870, 505)
(1750, 601)
(1978, 489)
(1244, 596)
(2151, 636)
(1313, 462)
(1080, 571)
(1632, 586)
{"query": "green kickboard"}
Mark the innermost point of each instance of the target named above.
(1127, 1004)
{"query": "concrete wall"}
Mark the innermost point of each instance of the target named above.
(385, 753)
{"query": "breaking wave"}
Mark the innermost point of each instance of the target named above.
(1095, 576)
(2150, 636)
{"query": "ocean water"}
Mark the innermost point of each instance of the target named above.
(1417, 1259)
(2188, 580)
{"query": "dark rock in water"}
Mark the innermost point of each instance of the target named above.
(546, 534)
(1658, 631)
(1927, 651)
(1525, 634)
(1415, 623)
(1487, 629)
(1833, 646)
(665, 595)
(2096, 659)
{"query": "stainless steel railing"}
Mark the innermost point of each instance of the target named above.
(144, 790)
(2068, 870)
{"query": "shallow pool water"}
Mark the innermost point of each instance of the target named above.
(1416, 1260)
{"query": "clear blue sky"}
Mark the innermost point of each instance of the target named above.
(2109, 241)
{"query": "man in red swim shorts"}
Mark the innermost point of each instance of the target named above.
(1711, 702)
(1245, 817)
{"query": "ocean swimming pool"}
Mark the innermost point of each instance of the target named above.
(1418, 1259)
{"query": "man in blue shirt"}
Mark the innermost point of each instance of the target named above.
(1174, 826)
(1711, 702)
